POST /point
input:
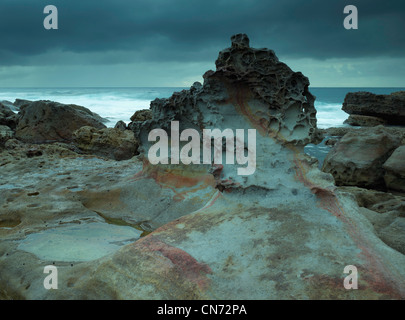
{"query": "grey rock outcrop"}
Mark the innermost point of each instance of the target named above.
(395, 170)
(390, 108)
(48, 121)
(18, 103)
(364, 121)
(138, 118)
(5, 134)
(112, 143)
(121, 125)
(358, 158)
(7, 116)
(7, 108)
(283, 106)
(385, 211)
(141, 115)
(282, 232)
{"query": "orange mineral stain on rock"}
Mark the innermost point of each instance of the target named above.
(239, 97)
(176, 178)
(377, 274)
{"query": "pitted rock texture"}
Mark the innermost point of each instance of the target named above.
(279, 98)
(390, 108)
(142, 115)
(291, 113)
(240, 40)
(48, 121)
(283, 232)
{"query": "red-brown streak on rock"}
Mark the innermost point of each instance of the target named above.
(328, 200)
(186, 265)
(379, 277)
(334, 287)
(141, 174)
(239, 95)
(174, 179)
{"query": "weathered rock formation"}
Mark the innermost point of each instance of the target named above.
(18, 103)
(5, 134)
(47, 121)
(358, 158)
(141, 115)
(7, 115)
(390, 108)
(385, 211)
(341, 131)
(121, 125)
(395, 170)
(283, 232)
(281, 103)
(5, 109)
(364, 121)
(112, 143)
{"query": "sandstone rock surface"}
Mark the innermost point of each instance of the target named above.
(112, 143)
(358, 158)
(341, 131)
(138, 118)
(390, 107)
(142, 115)
(47, 121)
(364, 121)
(283, 232)
(385, 211)
(395, 170)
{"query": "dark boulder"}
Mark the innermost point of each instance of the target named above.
(389, 107)
(48, 121)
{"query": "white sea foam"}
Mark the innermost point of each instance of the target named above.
(329, 115)
(120, 103)
(113, 104)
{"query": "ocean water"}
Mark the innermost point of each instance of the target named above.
(120, 103)
(113, 104)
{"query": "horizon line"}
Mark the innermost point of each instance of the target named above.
(122, 87)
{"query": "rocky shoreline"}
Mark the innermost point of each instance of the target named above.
(85, 198)
(367, 159)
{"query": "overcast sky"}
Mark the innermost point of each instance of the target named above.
(173, 42)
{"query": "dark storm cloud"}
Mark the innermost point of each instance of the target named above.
(186, 30)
